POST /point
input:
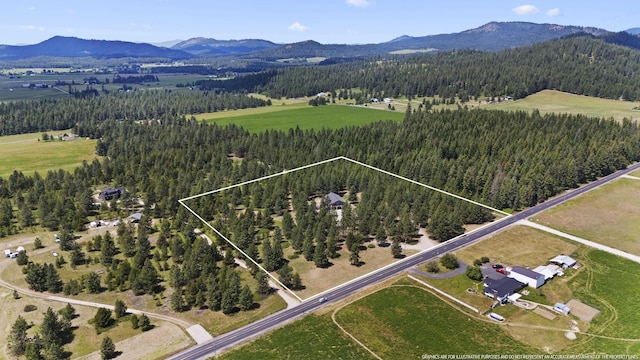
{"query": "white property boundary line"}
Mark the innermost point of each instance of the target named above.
(444, 294)
(182, 202)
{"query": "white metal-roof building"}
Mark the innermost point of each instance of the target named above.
(563, 260)
(529, 277)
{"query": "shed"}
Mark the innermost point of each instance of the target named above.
(135, 218)
(335, 201)
(529, 277)
(562, 308)
(563, 260)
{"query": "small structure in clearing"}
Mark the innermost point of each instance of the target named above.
(336, 202)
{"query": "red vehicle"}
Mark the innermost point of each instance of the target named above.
(502, 271)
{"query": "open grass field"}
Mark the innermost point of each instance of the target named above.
(518, 245)
(405, 322)
(306, 117)
(607, 215)
(552, 101)
(313, 337)
(25, 153)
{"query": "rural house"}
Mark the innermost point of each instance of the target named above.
(335, 201)
(111, 193)
(501, 289)
(529, 277)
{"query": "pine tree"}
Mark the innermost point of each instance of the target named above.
(287, 225)
(177, 300)
(246, 298)
(107, 349)
(263, 284)
(307, 248)
(107, 249)
(267, 255)
(297, 239)
(320, 255)
(277, 253)
(120, 309)
(102, 319)
(396, 248)
(17, 339)
(144, 322)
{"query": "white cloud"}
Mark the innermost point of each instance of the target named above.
(296, 26)
(140, 26)
(32, 27)
(526, 10)
(553, 12)
(359, 3)
(31, 8)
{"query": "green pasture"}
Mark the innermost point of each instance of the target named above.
(405, 322)
(307, 117)
(552, 101)
(25, 153)
(313, 337)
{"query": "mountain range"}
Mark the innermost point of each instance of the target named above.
(493, 36)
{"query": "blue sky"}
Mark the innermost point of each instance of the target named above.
(285, 21)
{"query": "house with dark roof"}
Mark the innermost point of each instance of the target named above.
(527, 276)
(111, 193)
(501, 289)
(335, 201)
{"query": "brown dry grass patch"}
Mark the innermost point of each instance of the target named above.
(582, 310)
(317, 279)
(518, 245)
(607, 215)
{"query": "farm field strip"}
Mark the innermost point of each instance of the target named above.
(301, 115)
(553, 101)
(607, 215)
(589, 243)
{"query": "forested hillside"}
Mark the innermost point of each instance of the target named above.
(580, 65)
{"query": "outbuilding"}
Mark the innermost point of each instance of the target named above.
(564, 261)
(548, 272)
(562, 308)
(527, 276)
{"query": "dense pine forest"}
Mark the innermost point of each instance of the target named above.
(506, 160)
(61, 114)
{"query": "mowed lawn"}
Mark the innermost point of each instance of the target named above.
(607, 215)
(406, 322)
(25, 153)
(552, 101)
(307, 117)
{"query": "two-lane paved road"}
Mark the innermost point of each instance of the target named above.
(250, 331)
